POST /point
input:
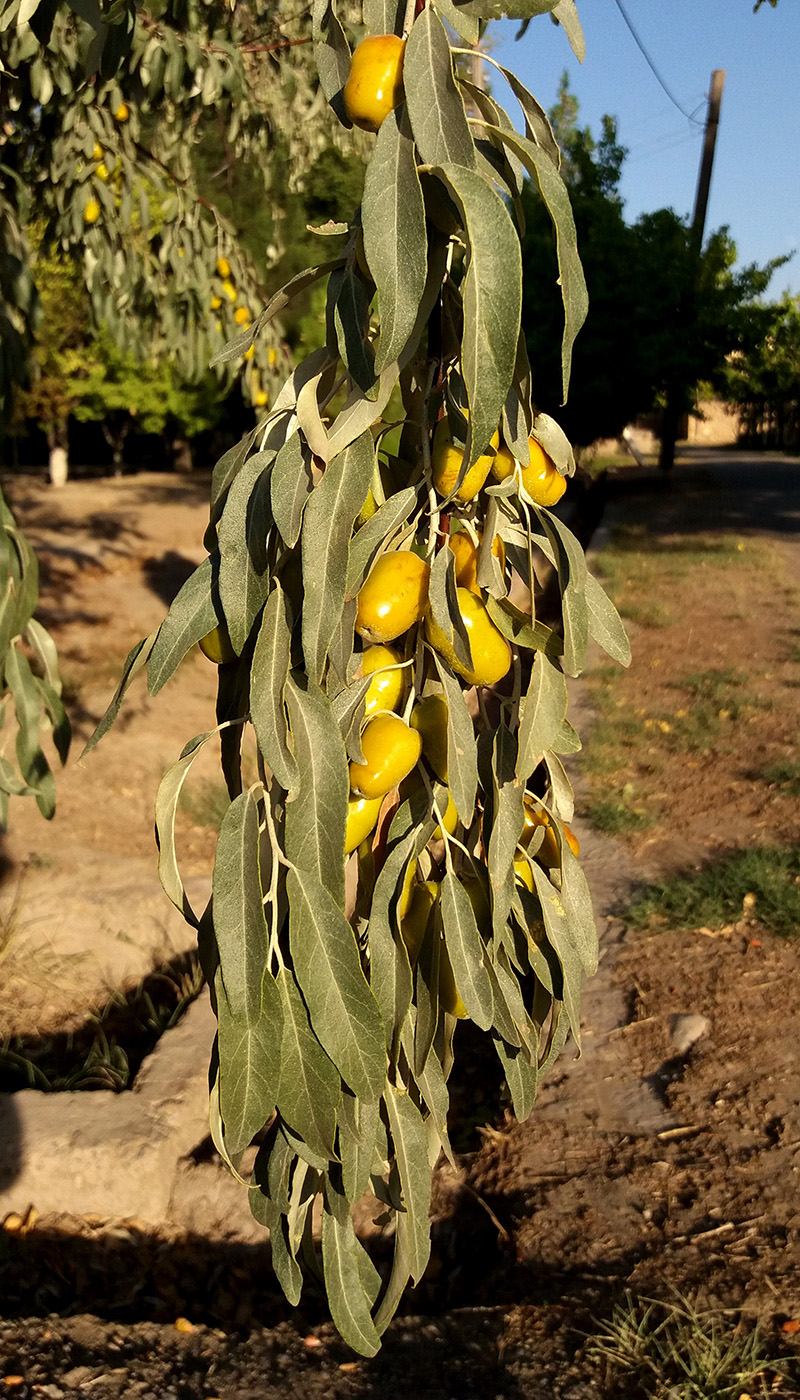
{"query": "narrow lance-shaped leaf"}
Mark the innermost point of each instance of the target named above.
(137, 657)
(467, 952)
(268, 675)
(327, 526)
(395, 238)
(443, 599)
(605, 624)
(562, 937)
(344, 1014)
(28, 710)
(567, 15)
(249, 1065)
(351, 297)
(408, 1134)
(167, 799)
(310, 1087)
(239, 922)
(316, 814)
(556, 199)
(371, 536)
(331, 54)
(543, 714)
(492, 300)
(349, 1304)
(290, 487)
(462, 754)
(572, 576)
(243, 571)
(192, 616)
(508, 817)
(435, 106)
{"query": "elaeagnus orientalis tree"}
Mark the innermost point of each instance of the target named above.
(402, 859)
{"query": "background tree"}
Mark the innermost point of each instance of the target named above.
(658, 324)
(763, 380)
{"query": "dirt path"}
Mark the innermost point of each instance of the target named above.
(667, 1157)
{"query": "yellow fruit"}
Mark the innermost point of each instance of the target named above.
(367, 510)
(446, 461)
(102, 171)
(548, 852)
(407, 889)
(216, 303)
(391, 749)
(448, 991)
(386, 691)
(375, 83)
(216, 645)
(523, 872)
(362, 814)
(261, 399)
(97, 151)
(491, 654)
(466, 552)
(248, 354)
(241, 316)
(122, 113)
(429, 718)
(91, 212)
(223, 267)
(272, 355)
(543, 482)
(415, 920)
(394, 596)
(449, 820)
(229, 290)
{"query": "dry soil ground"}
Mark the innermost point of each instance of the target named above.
(650, 1165)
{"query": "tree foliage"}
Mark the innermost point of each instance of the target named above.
(763, 380)
(341, 957)
(660, 320)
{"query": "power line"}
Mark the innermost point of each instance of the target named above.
(651, 65)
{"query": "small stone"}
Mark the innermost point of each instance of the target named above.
(182, 1324)
(687, 1029)
(77, 1377)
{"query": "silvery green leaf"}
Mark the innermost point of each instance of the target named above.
(507, 821)
(249, 1064)
(226, 471)
(572, 576)
(433, 1088)
(408, 1133)
(543, 714)
(240, 926)
(359, 1122)
(518, 627)
(395, 238)
(382, 16)
(521, 1077)
(443, 599)
(466, 25)
(351, 297)
(327, 525)
(563, 800)
(605, 624)
(492, 300)
(517, 410)
(567, 15)
(562, 937)
(331, 54)
(368, 540)
(192, 616)
(348, 708)
(310, 1087)
(344, 1013)
(27, 699)
(467, 952)
(398, 1278)
(427, 975)
(435, 106)
(577, 901)
(167, 799)
(390, 970)
(553, 191)
(242, 534)
(290, 487)
(349, 1304)
(316, 813)
(462, 754)
(551, 436)
(138, 657)
(268, 675)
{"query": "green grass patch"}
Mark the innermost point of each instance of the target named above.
(785, 776)
(713, 896)
(614, 816)
(674, 1351)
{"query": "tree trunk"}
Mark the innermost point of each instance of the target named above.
(182, 456)
(669, 432)
(115, 437)
(59, 455)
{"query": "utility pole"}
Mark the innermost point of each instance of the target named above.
(674, 407)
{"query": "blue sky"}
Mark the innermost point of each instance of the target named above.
(755, 187)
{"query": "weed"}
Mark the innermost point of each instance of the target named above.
(613, 815)
(713, 896)
(785, 776)
(675, 1351)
